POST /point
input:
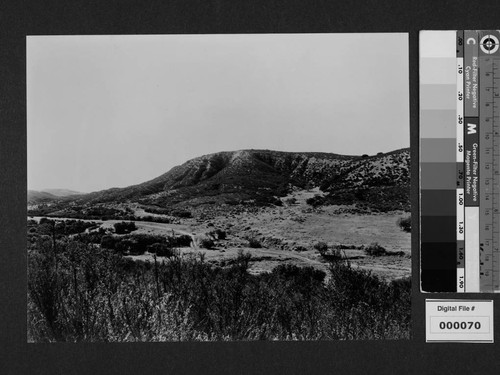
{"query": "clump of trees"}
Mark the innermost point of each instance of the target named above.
(162, 250)
(124, 227)
(157, 210)
(183, 214)
(64, 227)
(154, 219)
(138, 244)
(58, 229)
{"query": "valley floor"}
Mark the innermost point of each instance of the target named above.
(288, 234)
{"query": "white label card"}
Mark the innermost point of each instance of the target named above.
(458, 320)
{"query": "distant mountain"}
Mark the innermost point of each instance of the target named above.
(35, 197)
(61, 192)
(260, 176)
(48, 195)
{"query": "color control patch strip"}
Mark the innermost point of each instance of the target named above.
(459, 161)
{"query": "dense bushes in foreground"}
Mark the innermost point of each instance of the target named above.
(81, 292)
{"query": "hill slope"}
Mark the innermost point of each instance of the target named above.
(260, 176)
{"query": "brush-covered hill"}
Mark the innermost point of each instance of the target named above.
(260, 177)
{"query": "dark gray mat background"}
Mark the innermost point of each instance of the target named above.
(18, 19)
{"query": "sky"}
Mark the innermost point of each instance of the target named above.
(113, 111)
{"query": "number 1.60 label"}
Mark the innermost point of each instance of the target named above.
(459, 320)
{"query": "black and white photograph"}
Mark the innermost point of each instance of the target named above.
(218, 187)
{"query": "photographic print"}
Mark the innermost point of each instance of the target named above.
(218, 187)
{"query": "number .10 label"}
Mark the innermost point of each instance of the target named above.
(457, 320)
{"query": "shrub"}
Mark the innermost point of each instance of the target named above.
(254, 243)
(182, 240)
(374, 249)
(221, 235)
(124, 227)
(315, 201)
(128, 246)
(276, 201)
(108, 242)
(334, 255)
(183, 214)
(405, 223)
(299, 248)
(93, 237)
(321, 246)
(168, 252)
(156, 210)
(153, 249)
(300, 275)
(207, 243)
(342, 246)
(139, 242)
(154, 219)
(161, 250)
(217, 234)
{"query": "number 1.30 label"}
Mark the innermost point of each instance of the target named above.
(459, 321)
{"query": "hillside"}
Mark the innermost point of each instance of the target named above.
(261, 177)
